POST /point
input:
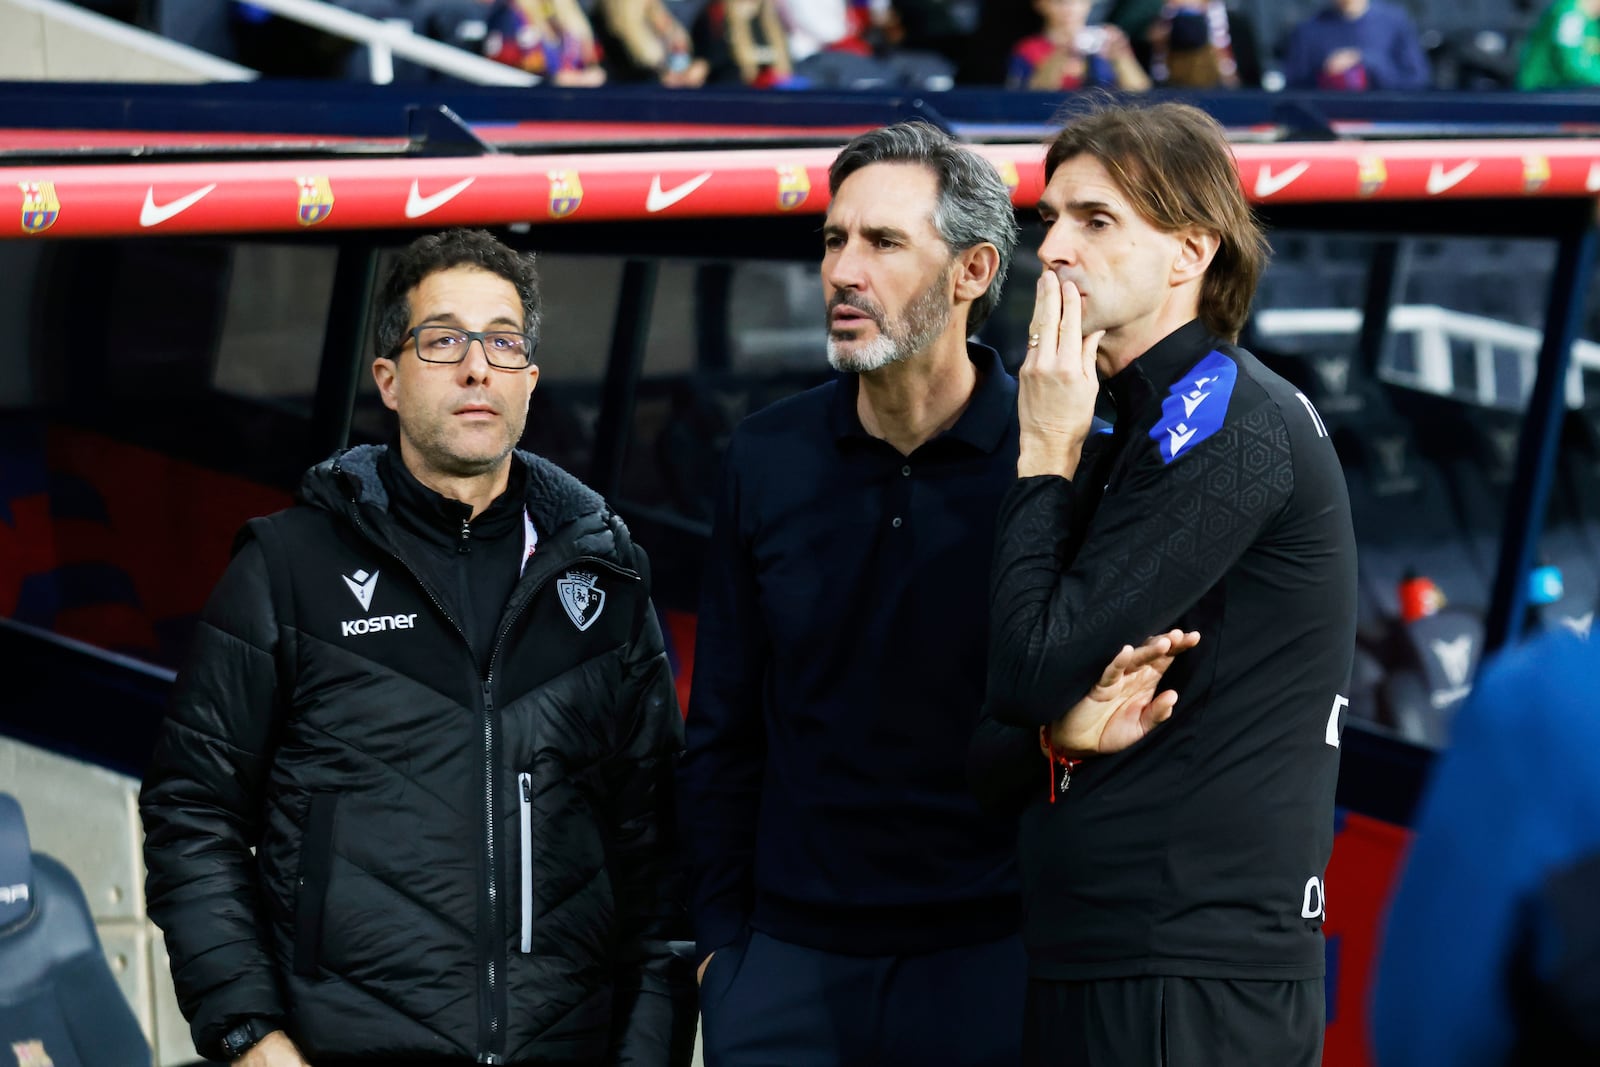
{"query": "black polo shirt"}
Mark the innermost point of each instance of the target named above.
(839, 675)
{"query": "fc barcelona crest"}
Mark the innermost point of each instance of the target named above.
(316, 200)
(31, 1054)
(793, 187)
(1370, 175)
(581, 598)
(39, 206)
(566, 193)
(1009, 175)
(1535, 173)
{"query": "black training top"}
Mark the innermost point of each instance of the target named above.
(1216, 505)
(839, 674)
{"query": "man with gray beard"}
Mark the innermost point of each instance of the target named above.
(852, 902)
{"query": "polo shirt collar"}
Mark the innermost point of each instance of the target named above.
(982, 425)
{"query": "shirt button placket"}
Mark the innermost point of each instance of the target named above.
(899, 495)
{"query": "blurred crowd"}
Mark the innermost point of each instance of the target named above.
(1050, 45)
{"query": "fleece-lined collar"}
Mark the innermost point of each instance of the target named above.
(553, 497)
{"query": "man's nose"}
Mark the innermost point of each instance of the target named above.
(1059, 247)
(844, 269)
(474, 365)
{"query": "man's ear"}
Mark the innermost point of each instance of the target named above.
(384, 372)
(975, 271)
(1196, 249)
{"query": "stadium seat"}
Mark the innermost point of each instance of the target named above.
(1476, 451)
(59, 1004)
(1421, 696)
(1404, 517)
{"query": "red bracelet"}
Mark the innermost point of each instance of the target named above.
(1066, 763)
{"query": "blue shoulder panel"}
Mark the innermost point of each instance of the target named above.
(1196, 407)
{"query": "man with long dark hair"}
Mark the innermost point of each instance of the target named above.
(1174, 889)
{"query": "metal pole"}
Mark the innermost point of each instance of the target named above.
(713, 288)
(624, 367)
(1541, 430)
(1386, 274)
(400, 41)
(340, 371)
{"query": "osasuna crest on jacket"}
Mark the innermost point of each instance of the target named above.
(449, 861)
(582, 598)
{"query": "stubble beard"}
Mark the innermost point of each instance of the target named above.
(432, 444)
(923, 320)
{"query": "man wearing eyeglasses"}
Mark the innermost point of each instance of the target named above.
(409, 803)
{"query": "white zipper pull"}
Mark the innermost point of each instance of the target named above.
(525, 811)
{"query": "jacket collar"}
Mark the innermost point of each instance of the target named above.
(1151, 375)
(552, 497)
(442, 520)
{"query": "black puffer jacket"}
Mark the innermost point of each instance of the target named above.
(449, 865)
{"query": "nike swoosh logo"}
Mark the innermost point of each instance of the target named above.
(153, 214)
(659, 199)
(1190, 403)
(1440, 179)
(418, 205)
(1592, 183)
(1268, 183)
(1180, 439)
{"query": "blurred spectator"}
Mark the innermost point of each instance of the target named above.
(1491, 954)
(1563, 49)
(1201, 44)
(863, 28)
(743, 41)
(1068, 53)
(551, 38)
(850, 44)
(649, 44)
(1356, 44)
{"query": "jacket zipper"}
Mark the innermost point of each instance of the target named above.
(492, 881)
(491, 971)
(525, 778)
(489, 1018)
(525, 808)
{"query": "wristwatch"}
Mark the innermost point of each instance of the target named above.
(245, 1036)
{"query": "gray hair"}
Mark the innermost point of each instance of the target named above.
(974, 205)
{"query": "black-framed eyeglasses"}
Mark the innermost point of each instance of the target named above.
(506, 349)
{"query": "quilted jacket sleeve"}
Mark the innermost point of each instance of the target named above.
(202, 809)
(654, 1007)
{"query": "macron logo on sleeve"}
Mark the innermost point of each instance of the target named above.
(1195, 407)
